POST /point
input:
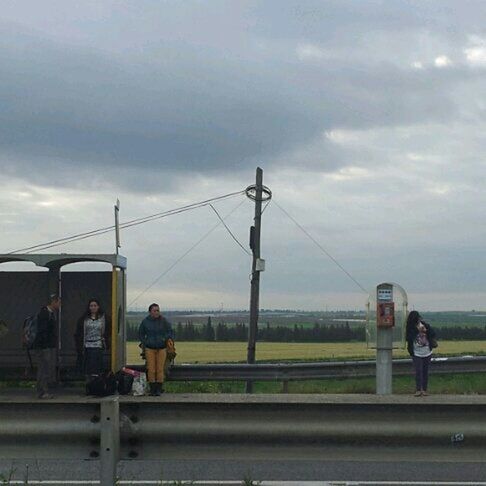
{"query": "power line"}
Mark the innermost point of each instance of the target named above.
(122, 226)
(320, 246)
(62, 241)
(179, 259)
(266, 206)
(152, 217)
(126, 224)
(229, 231)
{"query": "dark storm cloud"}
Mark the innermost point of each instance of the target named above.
(79, 105)
(177, 106)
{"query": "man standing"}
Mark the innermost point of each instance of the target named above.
(45, 346)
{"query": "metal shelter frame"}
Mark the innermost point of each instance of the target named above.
(54, 263)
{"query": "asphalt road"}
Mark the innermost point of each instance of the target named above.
(299, 470)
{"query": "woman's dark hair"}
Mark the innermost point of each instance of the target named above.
(100, 313)
(413, 319)
(151, 306)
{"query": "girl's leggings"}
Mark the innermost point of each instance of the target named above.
(421, 372)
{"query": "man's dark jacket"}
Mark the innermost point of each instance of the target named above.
(46, 330)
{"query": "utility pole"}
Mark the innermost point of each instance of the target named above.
(255, 233)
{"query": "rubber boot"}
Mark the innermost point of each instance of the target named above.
(153, 389)
(160, 389)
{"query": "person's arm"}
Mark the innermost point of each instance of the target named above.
(42, 323)
(170, 331)
(410, 334)
(410, 337)
(142, 333)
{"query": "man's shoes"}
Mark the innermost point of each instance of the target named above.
(418, 393)
(424, 393)
(45, 396)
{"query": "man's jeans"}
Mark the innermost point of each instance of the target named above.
(46, 369)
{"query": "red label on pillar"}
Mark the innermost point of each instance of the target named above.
(385, 313)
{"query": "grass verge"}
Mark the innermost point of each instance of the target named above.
(454, 384)
(448, 384)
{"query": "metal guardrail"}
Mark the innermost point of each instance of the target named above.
(286, 372)
(313, 371)
(249, 427)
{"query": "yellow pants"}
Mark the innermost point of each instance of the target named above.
(155, 364)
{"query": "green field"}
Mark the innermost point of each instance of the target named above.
(220, 352)
(231, 352)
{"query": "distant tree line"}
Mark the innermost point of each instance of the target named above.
(318, 333)
(466, 333)
(239, 332)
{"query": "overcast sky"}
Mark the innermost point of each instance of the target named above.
(368, 118)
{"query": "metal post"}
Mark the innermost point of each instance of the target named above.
(110, 440)
(114, 320)
(255, 276)
(384, 348)
(55, 287)
(117, 226)
(385, 320)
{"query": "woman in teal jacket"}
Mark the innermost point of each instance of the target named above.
(154, 331)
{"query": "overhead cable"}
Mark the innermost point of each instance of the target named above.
(124, 225)
(320, 246)
(229, 231)
(180, 258)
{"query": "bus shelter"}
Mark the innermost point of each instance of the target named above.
(23, 293)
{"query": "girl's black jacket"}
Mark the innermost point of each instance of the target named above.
(412, 334)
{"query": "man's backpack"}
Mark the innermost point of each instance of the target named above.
(29, 332)
(101, 385)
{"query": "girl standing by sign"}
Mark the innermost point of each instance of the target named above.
(420, 342)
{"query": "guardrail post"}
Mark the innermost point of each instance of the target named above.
(110, 440)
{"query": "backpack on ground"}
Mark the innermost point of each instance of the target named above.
(29, 332)
(125, 382)
(101, 385)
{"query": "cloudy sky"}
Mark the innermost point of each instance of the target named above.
(368, 118)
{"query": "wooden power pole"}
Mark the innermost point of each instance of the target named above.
(255, 233)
